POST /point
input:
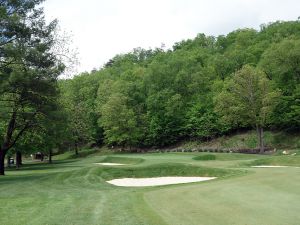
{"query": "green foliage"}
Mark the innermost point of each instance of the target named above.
(202, 88)
(247, 98)
(281, 63)
(29, 68)
(77, 98)
(119, 122)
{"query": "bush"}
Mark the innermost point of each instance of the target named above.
(205, 157)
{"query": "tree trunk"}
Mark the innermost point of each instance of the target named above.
(7, 141)
(50, 156)
(2, 159)
(18, 159)
(260, 133)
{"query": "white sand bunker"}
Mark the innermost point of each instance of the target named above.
(264, 166)
(156, 181)
(110, 164)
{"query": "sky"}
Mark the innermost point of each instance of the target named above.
(101, 29)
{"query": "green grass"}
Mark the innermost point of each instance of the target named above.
(159, 170)
(122, 160)
(285, 160)
(268, 196)
(74, 191)
(205, 157)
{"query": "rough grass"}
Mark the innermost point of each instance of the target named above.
(122, 160)
(246, 140)
(205, 157)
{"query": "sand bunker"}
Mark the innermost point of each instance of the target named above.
(156, 181)
(263, 166)
(110, 164)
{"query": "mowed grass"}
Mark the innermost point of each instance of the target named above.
(74, 191)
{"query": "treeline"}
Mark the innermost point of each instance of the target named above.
(156, 97)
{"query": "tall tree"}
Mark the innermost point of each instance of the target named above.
(248, 98)
(28, 72)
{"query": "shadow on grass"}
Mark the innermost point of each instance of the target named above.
(11, 179)
(37, 171)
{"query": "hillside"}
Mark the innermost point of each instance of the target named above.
(157, 97)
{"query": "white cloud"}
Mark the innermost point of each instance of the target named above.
(104, 28)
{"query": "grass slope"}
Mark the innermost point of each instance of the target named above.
(122, 160)
(278, 140)
(74, 191)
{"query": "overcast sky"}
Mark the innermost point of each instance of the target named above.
(103, 28)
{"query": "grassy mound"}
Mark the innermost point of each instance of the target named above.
(160, 170)
(205, 157)
(121, 160)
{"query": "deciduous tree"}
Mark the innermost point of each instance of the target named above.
(248, 98)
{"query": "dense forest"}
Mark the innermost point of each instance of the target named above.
(201, 88)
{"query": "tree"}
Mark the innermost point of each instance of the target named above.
(28, 71)
(16, 17)
(281, 62)
(52, 132)
(119, 121)
(202, 121)
(248, 98)
(77, 97)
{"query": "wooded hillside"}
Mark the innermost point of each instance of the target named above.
(157, 97)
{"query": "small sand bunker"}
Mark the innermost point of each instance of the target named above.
(156, 181)
(110, 164)
(264, 166)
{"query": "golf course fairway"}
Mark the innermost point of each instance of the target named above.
(75, 191)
